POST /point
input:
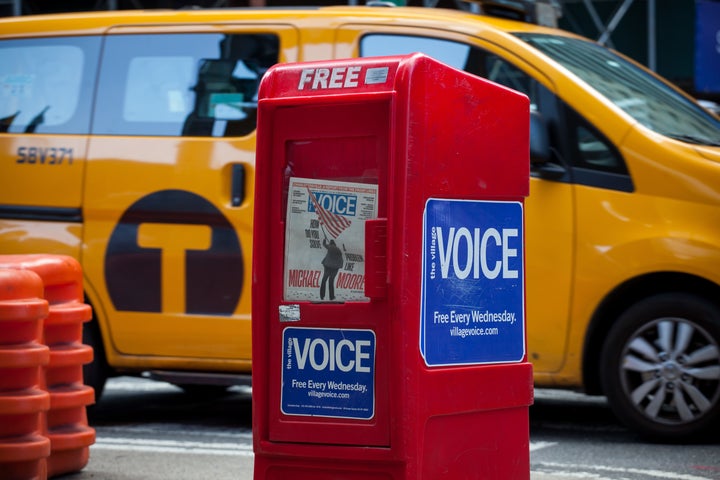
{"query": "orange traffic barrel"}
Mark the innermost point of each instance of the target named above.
(61, 274)
(68, 430)
(67, 425)
(24, 448)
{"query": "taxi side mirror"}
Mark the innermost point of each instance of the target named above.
(539, 139)
(540, 150)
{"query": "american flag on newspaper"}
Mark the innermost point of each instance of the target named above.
(334, 224)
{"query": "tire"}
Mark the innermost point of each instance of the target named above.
(660, 367)
(95, 373)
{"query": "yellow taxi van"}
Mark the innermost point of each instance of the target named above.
(127, 141)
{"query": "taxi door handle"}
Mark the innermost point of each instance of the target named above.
(237, 185)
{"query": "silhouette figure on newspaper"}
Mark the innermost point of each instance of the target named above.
(332, 262)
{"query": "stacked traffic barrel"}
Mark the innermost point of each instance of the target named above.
(67, 426)
(23, 446)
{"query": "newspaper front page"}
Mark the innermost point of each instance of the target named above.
(325, 239)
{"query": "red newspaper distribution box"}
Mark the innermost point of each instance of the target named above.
(388, 274)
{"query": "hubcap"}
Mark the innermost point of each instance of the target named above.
(670, 370)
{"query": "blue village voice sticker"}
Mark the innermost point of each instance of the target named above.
(328, 372)
(472, 294)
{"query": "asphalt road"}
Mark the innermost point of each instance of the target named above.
(153, 431)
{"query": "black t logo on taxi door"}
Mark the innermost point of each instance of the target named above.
(169, 243)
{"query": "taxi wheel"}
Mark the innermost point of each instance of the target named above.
(661, 367)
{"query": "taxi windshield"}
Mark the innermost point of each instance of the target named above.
(642, 96)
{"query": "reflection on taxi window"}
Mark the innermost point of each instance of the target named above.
(44, 84)
(183, 84)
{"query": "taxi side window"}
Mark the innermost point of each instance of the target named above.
(459, 55)
(182, 84)
(592, 158)
(47, 84)
(594, 151)
(595, 161)
(500, 71)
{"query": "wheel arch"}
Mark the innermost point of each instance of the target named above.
(99, 370)
(620, 299)
(95, 323)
